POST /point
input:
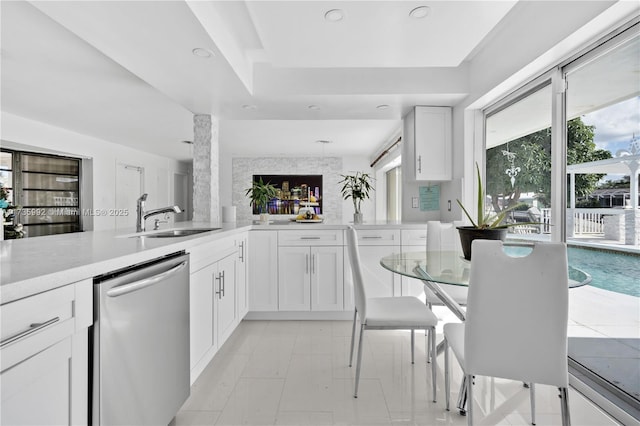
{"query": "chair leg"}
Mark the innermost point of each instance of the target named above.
(428, 334)
(353, 335)
(469, 399)
(564, 407)
(413, 345)
(532, 396)
(447, 379)
(434, 361)
(359, 361)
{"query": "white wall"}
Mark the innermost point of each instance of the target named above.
(23, 133)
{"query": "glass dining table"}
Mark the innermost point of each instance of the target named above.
(437, 267)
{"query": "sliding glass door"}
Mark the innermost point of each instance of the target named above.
(603, 219)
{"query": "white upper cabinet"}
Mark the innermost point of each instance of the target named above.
(428, 143)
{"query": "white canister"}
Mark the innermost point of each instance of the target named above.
(228, 214)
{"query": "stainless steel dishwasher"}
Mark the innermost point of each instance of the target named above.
(141, 343)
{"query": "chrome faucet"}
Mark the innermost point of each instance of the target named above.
(142, 215)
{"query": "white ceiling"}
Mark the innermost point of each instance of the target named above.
(125, 72)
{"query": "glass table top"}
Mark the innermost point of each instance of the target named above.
(449, 267)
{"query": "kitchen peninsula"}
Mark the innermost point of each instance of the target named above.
(284, 270)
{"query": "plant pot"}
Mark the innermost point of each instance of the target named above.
(469, 233)
(264, 218)
(357, 218)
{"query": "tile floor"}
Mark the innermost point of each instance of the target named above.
(296, 373)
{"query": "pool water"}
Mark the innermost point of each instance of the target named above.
(614, 271)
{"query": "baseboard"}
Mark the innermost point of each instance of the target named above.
(299, 315)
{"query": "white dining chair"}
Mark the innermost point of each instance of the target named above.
(387, 313)
(516, 322)
(442, 236)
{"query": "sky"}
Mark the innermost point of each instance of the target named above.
(615, 124)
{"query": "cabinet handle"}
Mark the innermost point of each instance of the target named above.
(371, 237)
(309, 238)
(313, 264)
(222, 281)
(32, 329)
(242, 251)
(219, 292)
(419, 163)
(306, 260)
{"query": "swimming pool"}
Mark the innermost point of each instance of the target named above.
(610, 270)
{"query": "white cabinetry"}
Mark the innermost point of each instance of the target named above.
(427, 133)
(413, 240)
(310, 270)
(242, 272)
(213, 299)
(44, 357)
(263, 273)
(373, 245)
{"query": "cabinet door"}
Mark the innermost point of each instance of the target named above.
(201, 312)
(263, 274)
(294, 266)
(241, 278)
(37, 391)
(225, 296)
(433, 143)
(327, 279)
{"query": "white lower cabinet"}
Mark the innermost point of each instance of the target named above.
(44, 357)
(214, 307)
(310, 270)
(263, 273)
(310, 278)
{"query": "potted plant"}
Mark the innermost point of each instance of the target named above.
(260, 194)
(488, 226)
(356, 187)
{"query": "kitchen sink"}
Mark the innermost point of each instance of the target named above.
(173, 233)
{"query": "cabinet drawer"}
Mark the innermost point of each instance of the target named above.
(32, 324)
(379, 237)
(414, 237)
(208, 253)
(310, 238)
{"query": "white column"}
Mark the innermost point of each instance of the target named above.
(206, 181)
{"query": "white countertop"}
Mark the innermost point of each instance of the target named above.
(33, 265)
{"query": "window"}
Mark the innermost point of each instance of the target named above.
(518, 162)
(394, 194)
(47, 190)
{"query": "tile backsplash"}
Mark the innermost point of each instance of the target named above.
(330, 168)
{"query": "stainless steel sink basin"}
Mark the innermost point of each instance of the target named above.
(173, 233)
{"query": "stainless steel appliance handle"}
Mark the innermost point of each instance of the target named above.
(32, 329)
(137, 285)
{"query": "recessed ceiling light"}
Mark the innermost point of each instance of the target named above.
(249, 106)
(202, 52)
(420, 12)
(187, 142)
(323, 141)
(313, 107)
(334, 15)
(383, 106)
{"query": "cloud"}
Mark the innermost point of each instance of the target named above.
(615, 125)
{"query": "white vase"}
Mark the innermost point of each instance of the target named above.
(264, 218)
(357, 218)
